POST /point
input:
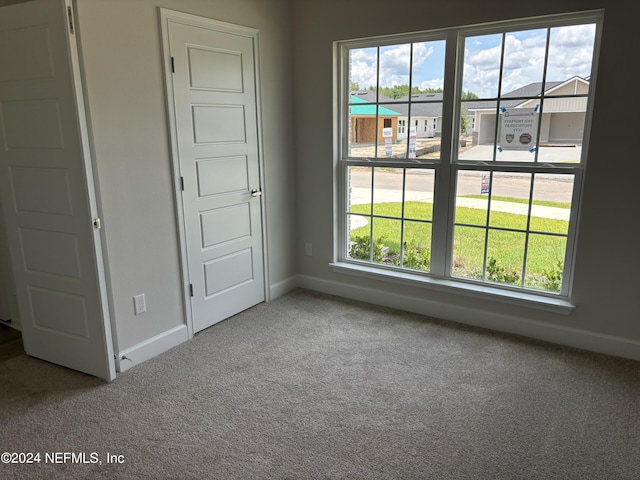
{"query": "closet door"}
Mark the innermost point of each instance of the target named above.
(47, 190)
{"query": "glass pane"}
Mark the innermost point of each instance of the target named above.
(394, 72)
(551, 208)
(472, 197)
(523, 64)
(387, 192)
(418, 196)
(477, 130)
(571, 53)
(363, 125)
(424, 126)
(510, 200)
(363, 80)
(468, 252)
(393, 130)
(359, 190)
(482, 65)
(417, 246)
(505, 256)
(562, 132)
(427, 74)
(386, 234)
(545, 262)
(518, 130)
(363, 68)
(359, 247)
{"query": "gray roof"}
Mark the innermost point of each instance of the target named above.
(431, 108)
(520, 95)
(370, 96)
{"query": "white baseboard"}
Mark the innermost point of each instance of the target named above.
(150, 348)
(281, 288)
(558, 334)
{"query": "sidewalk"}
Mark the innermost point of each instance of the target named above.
(360, 196)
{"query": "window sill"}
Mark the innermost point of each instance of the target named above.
(522, 299)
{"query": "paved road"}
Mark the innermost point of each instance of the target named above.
(556, 188)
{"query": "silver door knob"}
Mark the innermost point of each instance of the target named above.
(255, 192)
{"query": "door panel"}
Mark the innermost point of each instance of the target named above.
(216, 120)
(47, 192)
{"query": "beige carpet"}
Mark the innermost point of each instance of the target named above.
(315, 387)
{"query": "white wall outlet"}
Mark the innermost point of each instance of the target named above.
(308, 249)
(139, 304)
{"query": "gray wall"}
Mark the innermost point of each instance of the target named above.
(121, 45)
(606, 282)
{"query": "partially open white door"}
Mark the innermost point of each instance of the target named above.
(47, 190)
(213, 92)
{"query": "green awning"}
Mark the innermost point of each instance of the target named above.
(370, 109)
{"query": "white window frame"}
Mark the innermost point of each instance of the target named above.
(439, 277)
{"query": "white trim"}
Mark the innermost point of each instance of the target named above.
(548, 332)
(485, 291)
(282, 288)
(151, 347)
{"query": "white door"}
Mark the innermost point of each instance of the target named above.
(47, 191)
(216, 121)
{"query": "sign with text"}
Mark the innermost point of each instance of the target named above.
(518, 129)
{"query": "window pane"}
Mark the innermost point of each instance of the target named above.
(482, 65)
(510, 200)
(392, 142)
(523, 63)
(419, 194)
(427, 73)
(364, 122)
(468, 252)
(552, 198)
(472, 197)
(359, 247)
(571, 52)
(363, 68)
(505, 256)
(417, 246)
(395, 71)
(545, 262)
(359, 190)
(386, 234)
(387, 192)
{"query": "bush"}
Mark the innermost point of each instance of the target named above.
(553, 278)
(497, 273)
(360, 249)
(416, 257)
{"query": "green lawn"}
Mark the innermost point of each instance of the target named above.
(506, 247)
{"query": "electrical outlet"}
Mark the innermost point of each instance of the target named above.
(308, 249)
(139, 304)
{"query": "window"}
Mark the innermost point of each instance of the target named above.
(490, 197)
(387, 123)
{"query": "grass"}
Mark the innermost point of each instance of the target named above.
(506, 247)
(544, 203)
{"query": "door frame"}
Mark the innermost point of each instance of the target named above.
(171, 16)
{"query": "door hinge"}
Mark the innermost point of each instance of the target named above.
(97, 224)
(191, 289)
(182, 183)
(173, 66)
(70, 15)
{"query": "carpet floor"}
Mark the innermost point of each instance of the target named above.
(311, 386)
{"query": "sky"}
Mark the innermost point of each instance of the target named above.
(570, 54)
